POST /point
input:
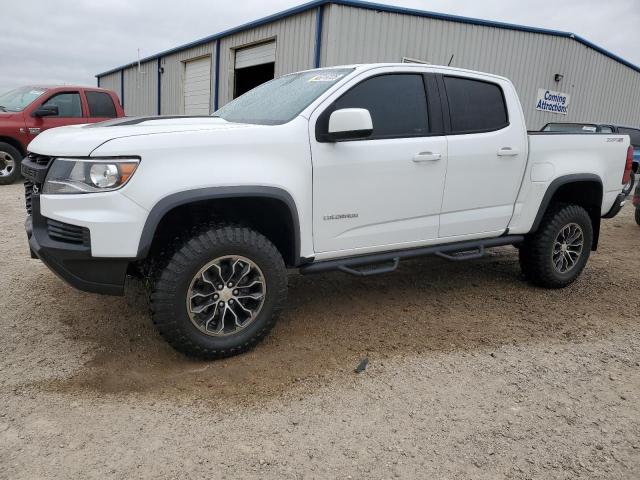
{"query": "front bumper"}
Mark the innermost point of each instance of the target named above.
(73, 262)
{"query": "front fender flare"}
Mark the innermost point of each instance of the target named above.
(170, 202)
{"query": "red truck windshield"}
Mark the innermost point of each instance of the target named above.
(18, 99)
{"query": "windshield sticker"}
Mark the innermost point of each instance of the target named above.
(36, 92)
(327, 77)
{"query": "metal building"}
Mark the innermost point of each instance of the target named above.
(559, 76)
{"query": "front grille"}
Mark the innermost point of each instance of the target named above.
(63, 232)
(28, 193)
(43, 160)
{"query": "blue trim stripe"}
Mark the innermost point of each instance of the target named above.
(159, 87)
(383, 8)
(216, 80)
(319, 21)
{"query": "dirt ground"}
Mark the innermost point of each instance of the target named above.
(473, 374)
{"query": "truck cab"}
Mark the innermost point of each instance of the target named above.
(28, 111)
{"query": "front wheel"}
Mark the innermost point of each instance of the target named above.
(10, 160)
(220, 292)
(638, 215)
(555, 255)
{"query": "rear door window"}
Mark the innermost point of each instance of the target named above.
(475, 106)
(101, 105)
(68, 103)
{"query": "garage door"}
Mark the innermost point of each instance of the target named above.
(256, 55)
(197, 86)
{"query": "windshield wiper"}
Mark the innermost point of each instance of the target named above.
(4, 109)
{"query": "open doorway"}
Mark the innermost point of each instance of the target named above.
(254, 65)
(250, 77)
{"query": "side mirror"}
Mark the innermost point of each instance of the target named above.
(47, 111)
(349, 124)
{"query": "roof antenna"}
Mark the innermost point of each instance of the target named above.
(450, 60)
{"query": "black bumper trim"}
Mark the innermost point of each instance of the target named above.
(73, 263)
(617, 206)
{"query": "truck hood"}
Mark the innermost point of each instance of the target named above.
(81, 140)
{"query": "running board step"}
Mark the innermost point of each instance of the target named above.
(367, 272)
(461, 256)
(455, 252)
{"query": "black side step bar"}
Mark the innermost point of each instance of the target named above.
(454, 251)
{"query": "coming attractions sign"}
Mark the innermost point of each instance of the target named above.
(552, 102)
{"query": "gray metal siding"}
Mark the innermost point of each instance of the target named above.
(172, 82)
(112, 82)
(601, 89)
(295, 43)
(140, 89)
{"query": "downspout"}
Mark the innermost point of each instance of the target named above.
(159, 87)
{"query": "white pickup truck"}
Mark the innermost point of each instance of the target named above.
(350, 168)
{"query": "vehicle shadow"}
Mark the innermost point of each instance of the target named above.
(333, 320)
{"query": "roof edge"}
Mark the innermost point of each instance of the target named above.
(382, 8)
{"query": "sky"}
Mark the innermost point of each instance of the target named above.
(69, 41)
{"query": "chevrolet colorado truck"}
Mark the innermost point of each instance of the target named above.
(349, 168)
(27, 111)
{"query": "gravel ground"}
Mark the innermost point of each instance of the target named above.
(473, 374)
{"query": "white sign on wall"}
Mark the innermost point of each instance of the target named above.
(552, 102)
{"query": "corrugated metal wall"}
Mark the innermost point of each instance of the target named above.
(112, 82)
(295, 43)
(601, 89)
(140, 89)
(172, 82)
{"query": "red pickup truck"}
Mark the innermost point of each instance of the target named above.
(27, 111)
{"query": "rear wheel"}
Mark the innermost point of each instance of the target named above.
(10, 160)
(555, 255)
(220, 292)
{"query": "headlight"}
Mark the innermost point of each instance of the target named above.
(73, 175)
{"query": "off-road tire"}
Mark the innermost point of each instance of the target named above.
(537, 249)
(169, 290)
(638, 215)
(17, 157)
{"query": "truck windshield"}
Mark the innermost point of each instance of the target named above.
(282, 99)
(18, 99)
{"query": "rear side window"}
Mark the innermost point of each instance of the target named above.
(397, 103)
(475, 106)
(68, 104)
(633, 133)
(101, 105)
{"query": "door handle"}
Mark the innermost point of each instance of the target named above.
(426, 157)
(508, 152)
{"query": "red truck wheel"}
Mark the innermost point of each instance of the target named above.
(10, 159)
